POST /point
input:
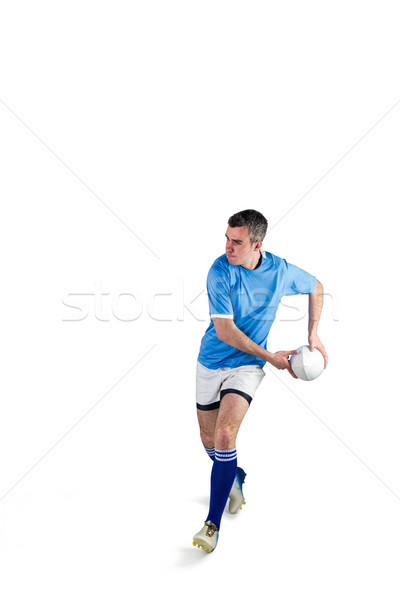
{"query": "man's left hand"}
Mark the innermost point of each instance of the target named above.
(315, 342)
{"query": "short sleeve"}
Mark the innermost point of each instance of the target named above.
(297, 281)
(219, 297)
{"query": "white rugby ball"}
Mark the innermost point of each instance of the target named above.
(307, 365)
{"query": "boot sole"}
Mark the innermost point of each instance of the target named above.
(203, 547)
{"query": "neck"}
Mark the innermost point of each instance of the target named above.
(255, 262)
(258, 259)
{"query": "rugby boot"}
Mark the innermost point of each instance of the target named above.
(236, 498)
(207, 537)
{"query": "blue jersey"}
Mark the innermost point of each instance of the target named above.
(251, 298)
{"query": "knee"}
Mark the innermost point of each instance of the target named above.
(225, 437)
(207, 437)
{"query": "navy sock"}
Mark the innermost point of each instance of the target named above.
(222, 477)
(210, 452)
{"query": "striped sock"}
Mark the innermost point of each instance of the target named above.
(210, 452)
(222, 477)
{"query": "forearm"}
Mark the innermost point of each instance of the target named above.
(315, 303)
(237, 339)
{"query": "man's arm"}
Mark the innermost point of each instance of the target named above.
(227, 332)
(315, 303)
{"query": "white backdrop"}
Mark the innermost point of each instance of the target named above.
(130, 132)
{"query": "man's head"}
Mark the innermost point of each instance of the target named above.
(254, 220)
(244, 236)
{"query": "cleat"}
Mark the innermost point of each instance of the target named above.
(236, 499)
(207, 537)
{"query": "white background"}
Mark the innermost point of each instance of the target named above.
(130, 132)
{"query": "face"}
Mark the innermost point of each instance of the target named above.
(239, 250)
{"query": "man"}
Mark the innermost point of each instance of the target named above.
(245, 286)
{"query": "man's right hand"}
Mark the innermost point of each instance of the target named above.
(280, 360)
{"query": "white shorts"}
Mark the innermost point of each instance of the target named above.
(213, 384)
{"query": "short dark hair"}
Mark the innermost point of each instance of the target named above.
(254, 220)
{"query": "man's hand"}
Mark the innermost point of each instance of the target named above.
(280, 360)
(315, 342)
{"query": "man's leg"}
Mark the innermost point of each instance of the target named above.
(220, 427)
(222, 423)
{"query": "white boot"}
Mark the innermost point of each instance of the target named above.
(207, 537)
(236, 498)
